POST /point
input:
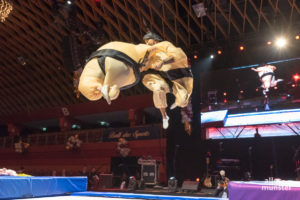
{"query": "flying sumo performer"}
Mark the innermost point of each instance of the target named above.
(117, 66)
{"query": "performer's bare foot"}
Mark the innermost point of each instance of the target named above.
(166, 122)
(104, 91)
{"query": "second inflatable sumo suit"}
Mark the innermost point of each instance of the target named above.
(113, 67)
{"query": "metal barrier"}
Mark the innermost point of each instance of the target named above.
(57, 138)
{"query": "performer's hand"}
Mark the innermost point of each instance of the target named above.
(151, 49)
(157, 65)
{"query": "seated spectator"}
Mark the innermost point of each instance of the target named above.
(73, 143)
(93, 179)
(84, 171)
(63, 172)
(21, 147)
(54, 173)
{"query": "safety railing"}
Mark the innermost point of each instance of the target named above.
(57, 138)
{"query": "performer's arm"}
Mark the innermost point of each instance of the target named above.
(158, 65)
(256, 70)
(273, 67)
(168, 60)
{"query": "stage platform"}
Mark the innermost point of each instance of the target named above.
(24, 187)
(141, 196)
(262, 190)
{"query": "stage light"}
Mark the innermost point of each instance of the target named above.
(219, 52)
(269, 43)
(242, 91)
(281, 42)
(44, 129)
(69, 2)
(132, 185)
(103, 123)
(225, 100)
(297, 37)
(293, 85)
(238, 101)
(256, 89)
(224, 93)
(296, 77)
(242, 48)
(172, 184)
(195, 56)
(198, 179)
(212, 56)
(275, 88)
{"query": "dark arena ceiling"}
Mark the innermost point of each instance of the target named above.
(44, 41)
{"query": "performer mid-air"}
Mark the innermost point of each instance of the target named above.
(117, 65)
(168, 72)
(113, 67)
(267, 77)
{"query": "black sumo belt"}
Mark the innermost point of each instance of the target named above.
(267, 74)
(169, 76)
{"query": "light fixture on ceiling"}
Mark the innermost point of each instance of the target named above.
(5, 8)
(281, 42)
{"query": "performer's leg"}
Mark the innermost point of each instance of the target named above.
(163, 112)
(266, 83)
(118, 74)
(114, 92)
(160, 88)
(160, 102)
(91, 80)
(182, 90)
(274, 81)
(104, 90)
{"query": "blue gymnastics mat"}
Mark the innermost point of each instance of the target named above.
(24, 187)
(140, 196)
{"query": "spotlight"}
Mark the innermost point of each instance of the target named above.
(269, 43)
(195, 56)
(297, 37)
(219, 52)
(212, 56)
(69, 2)
(296, 77)
(172, 184)
(132, 185)
(224, 93)
(22, 60)
(242, 48)
(281, 42)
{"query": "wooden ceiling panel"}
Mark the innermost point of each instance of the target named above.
(36, 30)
